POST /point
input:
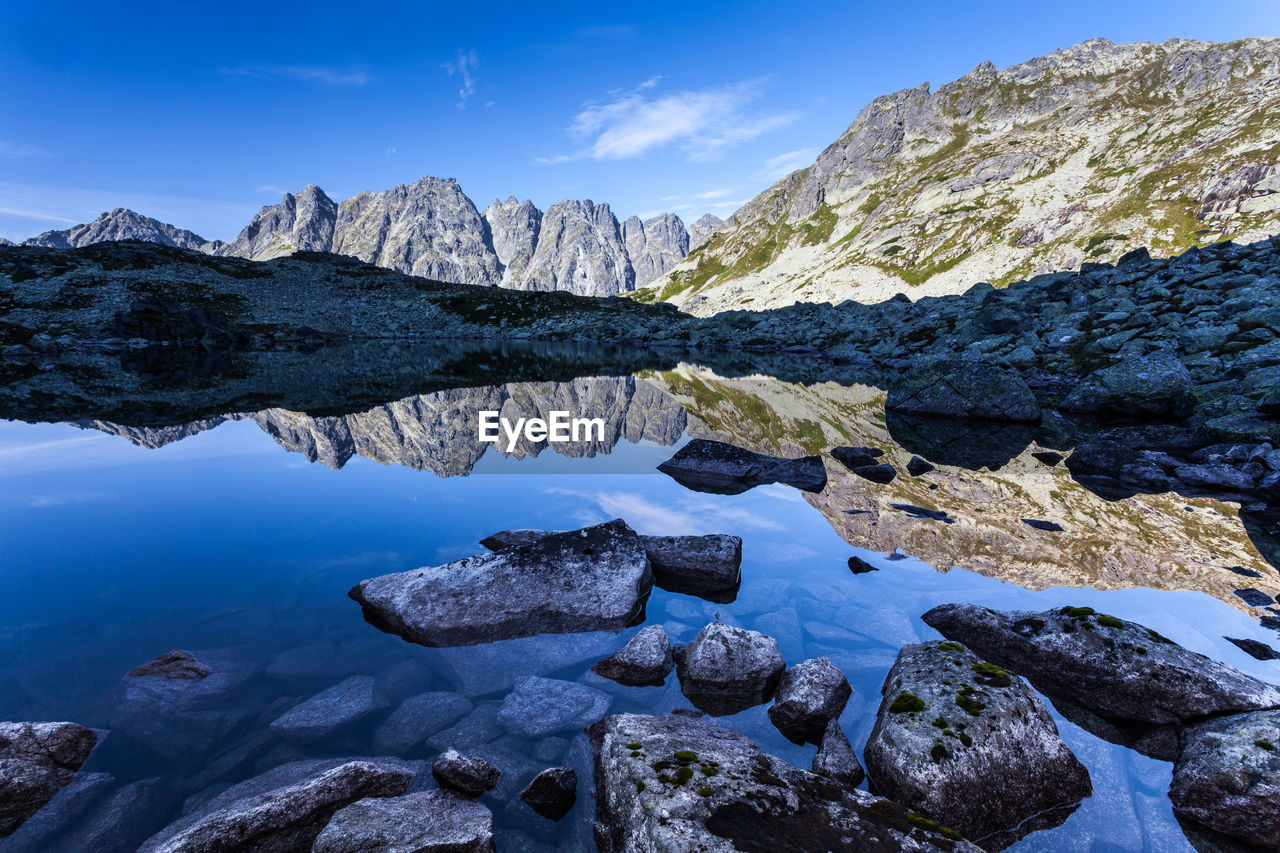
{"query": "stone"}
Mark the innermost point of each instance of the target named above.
(67, 808)
(418, 718)
(120, 820)
(810, 695)
(1254, 597)
(726, 669)
(541, 706)
(423, 822)
(342, 705)
(968, 744)
(1039, 524)
(36, 761)
(552, 792)
(467, 774)
(836, 759)
(859, 566)
(1255, 649)
(644, 660)
(280, 819)
(174, 664)
(715, 467)
(695, 565)
(597, 578)
(1226, 777)
(1114, 668)
(1155, 385)
(917, 467)
(955, 389)
(675, 783)
(857, 457)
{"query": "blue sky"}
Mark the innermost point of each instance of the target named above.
(198, 114)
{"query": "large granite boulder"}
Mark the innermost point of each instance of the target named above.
(968, 744)
(342, 705)
(1110, 666)
(423, 822)
(469, 775)
(1227, 777)
(725, 469)
(1155, 385)
(594, 579)
(278, 812)
(36, 761)
(645, 659)
(810, 695)
(963, 389)
(727, 669)
(540, 706)
(673, 783)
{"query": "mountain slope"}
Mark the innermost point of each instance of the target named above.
(123, 224)
(1077, 156)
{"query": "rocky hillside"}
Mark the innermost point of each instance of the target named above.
(1077, 156)
(432, 229)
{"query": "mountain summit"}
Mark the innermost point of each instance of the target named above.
(1077, 156)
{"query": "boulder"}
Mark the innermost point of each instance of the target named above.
(174, 664)
(696, 565)
(1227, 777)
(1112, 667)
(857, 457)
(859, 566)
(675, 783)
(538, 706)
(836, 759)
(423, 822)
(552, 792)
(344, 704)
(968, 744)
(810, 695)
(964, 389)
(466, 774)
(1254, 649)
(594, 579)
(1150, 386)
(917, 467)
(726, 669)
(644, 660)
(418, 718)
(725, 469)
(36, 761)
(284, 818)
(119, 821)
(67, 807)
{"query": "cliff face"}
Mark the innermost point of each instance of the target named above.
(580, 249)
(654, 245)
(304, 222)
(514, 227)
(1077, 156)
(123, 224)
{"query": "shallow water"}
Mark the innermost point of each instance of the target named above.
(227, 540)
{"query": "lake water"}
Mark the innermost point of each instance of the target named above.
(238, 537)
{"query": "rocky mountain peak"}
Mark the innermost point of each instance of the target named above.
(304, 222)
(124, 224)
(514, 227)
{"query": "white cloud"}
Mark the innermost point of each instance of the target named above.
(269, 188)
(464, 68)
(701, 123)
(784, 164)
(686, 516)
(302, 73)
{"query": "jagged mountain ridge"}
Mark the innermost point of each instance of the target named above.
(1076, 156)
(431, 228)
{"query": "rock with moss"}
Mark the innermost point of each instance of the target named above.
(969, 744)
(711, 466)
(1155, 385)
(37, 760)
(674, 783)
(963, 389)
(810, 695)
(1110, 666)
(1227, 777)
(727, 669)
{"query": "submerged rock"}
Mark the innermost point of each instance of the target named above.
(423, 822)
(695, 565)
(282, 819)
(174, 664)
(36, 761)
(725, 469)
(726, 669)
(467, 774)
(342, 705)
(592, 579)
(1110, 666)
(810, 695)
(968, 744)
(836, 759)
(552, 792)
(418, 718)
(540, 706)
(674, 783)
(644, 660)
(1227, 777)
(964, 389)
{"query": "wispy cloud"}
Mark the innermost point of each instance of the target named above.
(784, 164)
(709, 194)
(464, 68)
(9, 148)
(688, 515)
(302, 73)
(702, 123)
